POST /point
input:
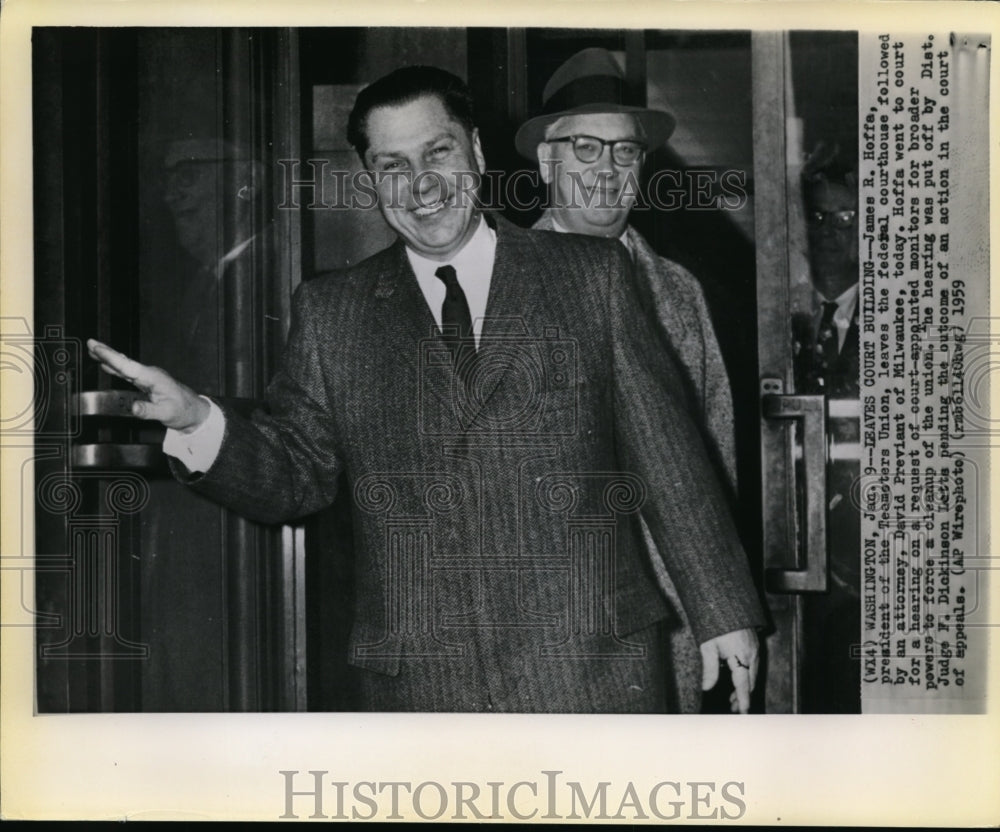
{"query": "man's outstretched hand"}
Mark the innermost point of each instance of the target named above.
(738, 650)
(170, 402)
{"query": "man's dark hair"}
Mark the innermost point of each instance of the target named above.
(403, 86)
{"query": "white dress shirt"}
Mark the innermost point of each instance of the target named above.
(473, 265)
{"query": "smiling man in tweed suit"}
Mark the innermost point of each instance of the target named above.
(502, 407)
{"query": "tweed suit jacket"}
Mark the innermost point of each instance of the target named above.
(682, 315)
(489, 509)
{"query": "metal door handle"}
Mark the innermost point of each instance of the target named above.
(130, 456)
(114, 455)
(119, 455)
(810, 412)
(106, 402)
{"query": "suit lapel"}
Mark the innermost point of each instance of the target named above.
(516, 289)
(406, 324)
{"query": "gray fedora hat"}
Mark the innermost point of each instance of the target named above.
(589, 82)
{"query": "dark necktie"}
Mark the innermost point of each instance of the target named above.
(456, 321)
(827, 342)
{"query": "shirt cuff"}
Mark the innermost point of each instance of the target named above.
(198, 449)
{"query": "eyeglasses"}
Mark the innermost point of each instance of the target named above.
(588, 149)
(837, 219)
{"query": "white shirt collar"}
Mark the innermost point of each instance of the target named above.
(845, 301)
(473, 265)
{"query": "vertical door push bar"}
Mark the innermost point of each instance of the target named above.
(810, 573)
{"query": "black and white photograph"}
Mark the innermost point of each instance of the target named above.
(459, 391)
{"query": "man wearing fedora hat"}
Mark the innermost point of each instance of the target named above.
(590, 145)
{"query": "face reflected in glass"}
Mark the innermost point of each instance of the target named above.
(592, 197)
(425, 164)
(191, 192)
(832, 226)
(210, 202)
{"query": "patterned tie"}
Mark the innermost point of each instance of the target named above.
(827, 345)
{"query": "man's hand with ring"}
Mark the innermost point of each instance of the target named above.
(738, 650)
